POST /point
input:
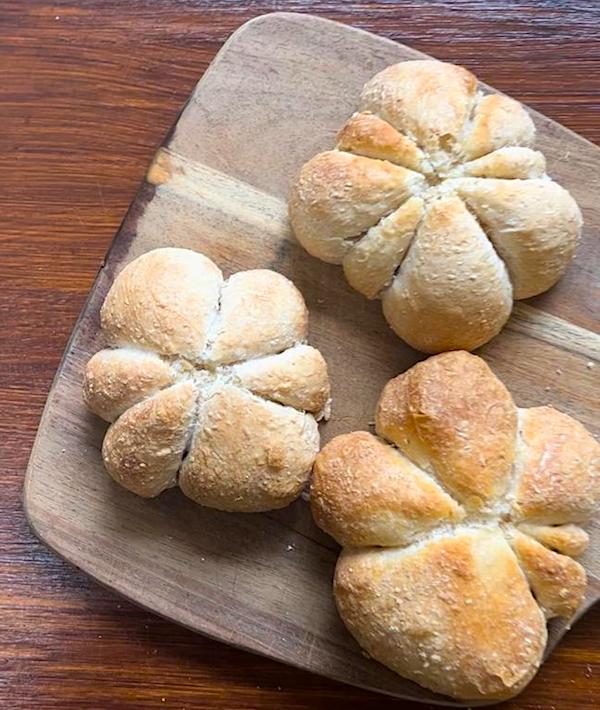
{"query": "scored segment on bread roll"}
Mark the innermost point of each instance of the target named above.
(434, 201)
(459, 522)
(248, 454)
(208, 383)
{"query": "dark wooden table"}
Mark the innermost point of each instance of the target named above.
(87, 91)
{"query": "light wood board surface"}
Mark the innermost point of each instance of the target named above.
(276, 94)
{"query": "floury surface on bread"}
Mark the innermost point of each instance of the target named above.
(459, 522)
(207, 383)
(434, 201)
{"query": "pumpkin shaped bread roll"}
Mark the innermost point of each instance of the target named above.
(434, 201)
(208, 383)
(459, 522)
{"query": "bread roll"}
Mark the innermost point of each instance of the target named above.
(459, 527)
(208, 383)
(434, 201)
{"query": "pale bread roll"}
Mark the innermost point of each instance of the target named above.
(210, 381)
(492, 226)
(452, 561)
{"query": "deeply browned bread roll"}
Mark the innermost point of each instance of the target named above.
(208, 383)
(458, 523)
(434, 201)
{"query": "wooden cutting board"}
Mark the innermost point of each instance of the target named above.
(276, 94)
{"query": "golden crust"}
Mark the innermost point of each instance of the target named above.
(369, 135)
(248, 455)
(534, 225)
(428, 101)
(163, 301)
(557, 581)
(559, 473)
(452, 291)
(370, 264)
(510, 162)
(452, 414)
(117, 379)
(337, 196)
(261, 313)
(567, 539)
(143, 449)
(498, 121)
(455, 614)
(296, 377)
(467, 531)
(363, 492)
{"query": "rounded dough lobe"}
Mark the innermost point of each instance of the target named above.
(338, 196)
(451, 415)
(427, 100)
(164, 301)
(370, 265)
(533, 224)
(368, 135)
(453, 614)
(117, 379)
(498, 121)
(143, 449)
(566, 539)
(452, 290)
(557, 581)
(261, 313)
(558, 472)
(365, 493)
(248, 455)
(509, 163)
(296, 377)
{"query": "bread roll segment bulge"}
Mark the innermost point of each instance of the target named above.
(208, 384)
(459, 522)
(491, 225)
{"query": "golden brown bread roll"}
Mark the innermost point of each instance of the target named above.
(434, 201)
(209, 383)
(458, 527)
